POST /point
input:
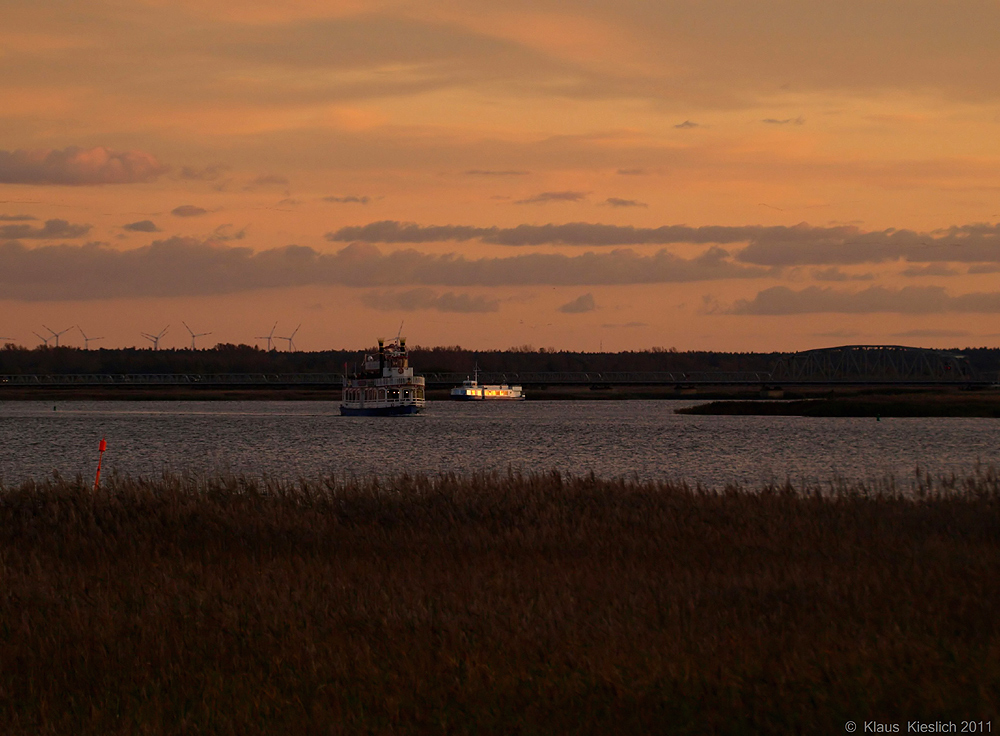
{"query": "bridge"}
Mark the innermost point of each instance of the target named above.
(849, 365)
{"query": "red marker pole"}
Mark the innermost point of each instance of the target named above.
(103, 447)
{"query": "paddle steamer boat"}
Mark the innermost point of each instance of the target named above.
(385, 386)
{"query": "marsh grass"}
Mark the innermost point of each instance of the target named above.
(497, 603)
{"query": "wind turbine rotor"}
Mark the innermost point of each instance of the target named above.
(194, 335)
(155, 339)
(269, 337)
(87, 340)
(57, 334)
(291, 338)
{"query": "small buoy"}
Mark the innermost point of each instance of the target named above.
(878, 417)
(102, 448)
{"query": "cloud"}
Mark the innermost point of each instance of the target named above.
(425, 298)
(590, 234)
(798, 245)
(931, 269)
(616, 202)
(377, 54)
(984, 268)
(225, 233)
(488, 172)
(187, 266)
(835, 274)
(805, 245)
(583, 303)
(786, 121)
(349, 199)
(16, 218)
(143, 226)
(51, 230)
(687, 124)
(545, 197)
(391, 231)
(188, 210)
(78, 166)
(693, 56)
(908, 300)
(208, 173)
(931, 333)
(270, 180)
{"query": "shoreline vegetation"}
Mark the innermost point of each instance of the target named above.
(898, 404)
(495, 603)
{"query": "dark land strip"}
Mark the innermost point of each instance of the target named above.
(899, 404)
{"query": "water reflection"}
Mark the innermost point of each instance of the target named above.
(611, 438)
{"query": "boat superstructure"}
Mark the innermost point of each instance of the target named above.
(385, 386)
(471, 390)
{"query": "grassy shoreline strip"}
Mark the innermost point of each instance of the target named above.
(495, 603)
(927, 405)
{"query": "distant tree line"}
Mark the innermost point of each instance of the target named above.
(229, 358)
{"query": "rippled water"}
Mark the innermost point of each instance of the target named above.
(611, 438)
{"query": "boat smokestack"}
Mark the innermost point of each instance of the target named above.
(381, 355)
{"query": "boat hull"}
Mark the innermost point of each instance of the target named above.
(380, 411)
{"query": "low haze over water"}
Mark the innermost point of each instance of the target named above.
(289, 440)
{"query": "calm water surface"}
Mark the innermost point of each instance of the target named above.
(611, 438)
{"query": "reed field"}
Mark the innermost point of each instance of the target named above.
(496, 603)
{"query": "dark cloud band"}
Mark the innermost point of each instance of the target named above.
(799, 245)
(185, 266)
(780, 300)
(426, 298)
(51, 230)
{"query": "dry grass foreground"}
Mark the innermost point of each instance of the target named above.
(493, 604)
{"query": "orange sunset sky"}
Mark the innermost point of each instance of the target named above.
(720, 174)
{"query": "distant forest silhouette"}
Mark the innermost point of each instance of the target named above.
(229, 358)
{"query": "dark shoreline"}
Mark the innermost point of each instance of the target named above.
(984, 404)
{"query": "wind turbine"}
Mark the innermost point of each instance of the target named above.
(43, 339)
(57, 334)
(290, 338)
(268, 337)
(155, 339)
(86, 340)
(195, 334)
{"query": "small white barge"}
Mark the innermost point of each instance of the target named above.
(470, 390)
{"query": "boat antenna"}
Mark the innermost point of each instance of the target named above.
(400, 330)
